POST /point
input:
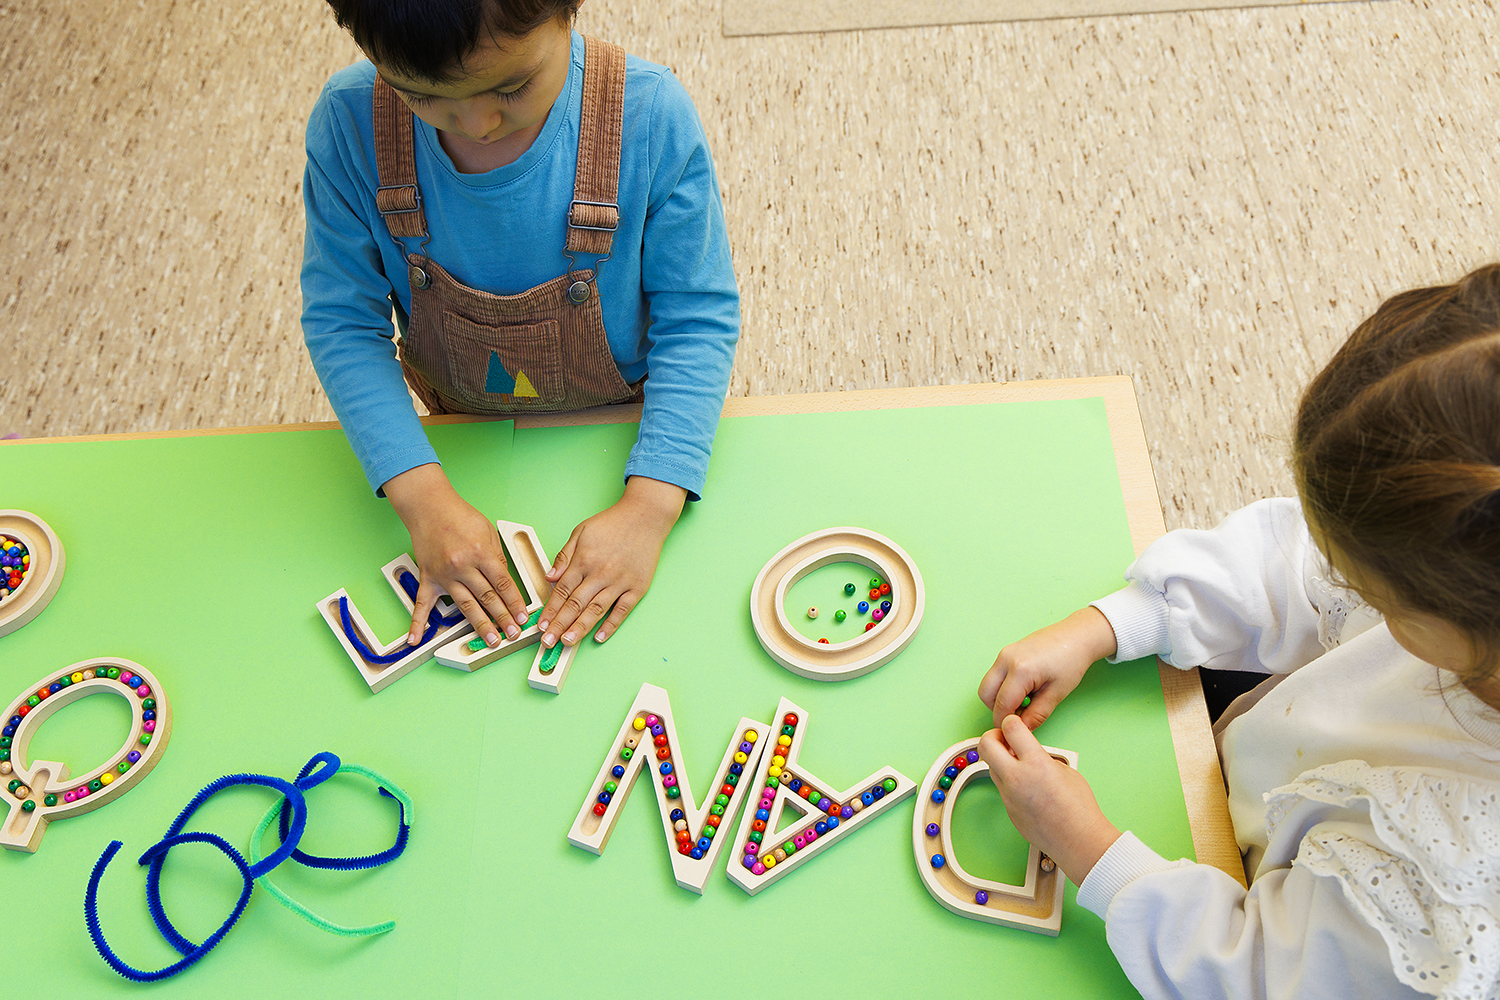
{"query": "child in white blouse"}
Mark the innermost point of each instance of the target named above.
(1364, 773)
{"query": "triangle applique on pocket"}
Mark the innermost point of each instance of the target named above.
(524, 387)
(498, 380)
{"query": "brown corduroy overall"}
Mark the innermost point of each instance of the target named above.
(544, 349)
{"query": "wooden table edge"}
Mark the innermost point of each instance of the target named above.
(1187, 714)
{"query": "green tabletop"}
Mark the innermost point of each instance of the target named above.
(202, 558)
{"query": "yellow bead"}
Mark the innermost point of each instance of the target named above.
(639, 724)
(106, 778)
(739, 757)
(784, 740)
(769, 861)
(774, 772)
(778, 761)
(77, 677)
(751, 736)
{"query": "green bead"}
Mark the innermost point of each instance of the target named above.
(889, 784)
(65, 680)
(945, 782)
(95, 785)
(789, 847)
(50, 800)
(114, 673)
(874, 583)
(716, 809)
(610, 786)
(4, 741)
(788, 730)
(840, 615)
(4, 755)
(722, 800)
(709, 831)
(731, 779)
(674, 792)
(145, 739)
(33, 701)
(149, 704)
(124, 766)
(28, 806)
(773, 782)
(14, 784)
(849, 589)
(756, 836)
(627, 753)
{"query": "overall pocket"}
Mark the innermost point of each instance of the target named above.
(503, 367)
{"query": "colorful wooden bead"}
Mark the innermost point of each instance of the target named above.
(877, 614)
(981, 897)
(823, 641)
(812, 612)
(885, 607)
(875, 582)
(862, 607)
(933, 829)
(938, 861)
(938, 796)
(840, 615)
(849, 589)
(884, 589)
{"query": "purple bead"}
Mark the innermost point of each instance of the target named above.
(824, 803)
(847, 812)
(658, 729)
(973, 756)
(750, 862)
(746, 747)
(933, 829)
(981, 897)
(133, 756)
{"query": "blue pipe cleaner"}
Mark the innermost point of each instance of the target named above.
(391, 853)
(434, 622)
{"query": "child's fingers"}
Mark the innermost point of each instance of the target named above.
(1018, 737)
(563, 586)
(624, 604)
(603, 599)
(426, 600)
(501, 598)
(474, 612)
(564, 557)
(1043, 700)
(989, 684)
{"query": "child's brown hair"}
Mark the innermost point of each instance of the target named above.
(429, 39)
(1397, 454)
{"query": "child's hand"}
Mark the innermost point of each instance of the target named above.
(457, 549)
(609, 561)
(1050, 804)
(1046, 665)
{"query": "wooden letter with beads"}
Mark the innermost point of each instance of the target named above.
(42, 791)
(549, 669)
(648, 740)
(761, 855)
(1035, 905)
(379, 675)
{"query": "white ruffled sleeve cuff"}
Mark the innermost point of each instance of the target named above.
(1138, 614)
(1126, 860)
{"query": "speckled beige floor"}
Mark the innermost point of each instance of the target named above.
(1206, 201)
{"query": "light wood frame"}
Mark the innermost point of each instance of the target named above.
(22, 830)
(1035, 905)
(43, 576)
(868, 650)
(744, 875)
(591, 832)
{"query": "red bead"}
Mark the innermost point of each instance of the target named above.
(726, 790)
(961, 760)
(834, 809)
(686, 848)
(683, 836)
(869, 625)
(598, 809)
(44, 693)
(804, 791)
(714, 820)
(23, 709)
(790, 719)
(885, 588)
(664, 753)
(759, 826)
(824, 641)
(661, 740)
(874, 593)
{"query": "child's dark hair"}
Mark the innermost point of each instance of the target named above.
(1397, 455)
(429, 39)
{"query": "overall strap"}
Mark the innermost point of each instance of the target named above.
(398, 198)
(594, 214)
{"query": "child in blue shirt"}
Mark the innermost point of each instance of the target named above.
(543, 217)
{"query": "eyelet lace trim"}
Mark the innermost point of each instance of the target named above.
(1430, 881)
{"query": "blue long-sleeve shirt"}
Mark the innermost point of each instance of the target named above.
(668, 292)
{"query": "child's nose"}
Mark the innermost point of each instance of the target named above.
(477, 121)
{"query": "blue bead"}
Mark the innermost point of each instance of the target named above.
(15, 720)
(148, 714)
(696, 854)
(981, 897)
(55, 688)
(863, 606)
(8, 730)
(951, 771)
(833, 822)
(795, 784)
(678, 814)
(821, 826)
(937, 861)
(736, 768)
(764, 815)
(604, 798)
(878, 791)
(618, 770)
(704, 844)
(885, 605)
(666, 767)
(937, 795)
(867, 799)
